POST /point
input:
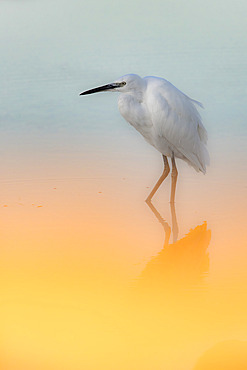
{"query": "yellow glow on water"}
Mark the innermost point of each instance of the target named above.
(103, 281)
(225, 355)
(91, 277)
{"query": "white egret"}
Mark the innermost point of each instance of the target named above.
(167, 119)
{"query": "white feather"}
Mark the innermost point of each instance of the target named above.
(167, 118)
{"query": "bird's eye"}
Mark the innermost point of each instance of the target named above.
(123, 83)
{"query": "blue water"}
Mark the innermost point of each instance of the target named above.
(50, 51)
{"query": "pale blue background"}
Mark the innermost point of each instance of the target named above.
(53, 50)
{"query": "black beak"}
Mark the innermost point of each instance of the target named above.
(101, 88)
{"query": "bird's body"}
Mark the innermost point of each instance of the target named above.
(167, 119)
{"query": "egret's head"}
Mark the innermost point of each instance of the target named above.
(130, 82)
(126, 83)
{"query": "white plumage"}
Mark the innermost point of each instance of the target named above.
(167, 118)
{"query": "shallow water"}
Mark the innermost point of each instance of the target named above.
(92, 277)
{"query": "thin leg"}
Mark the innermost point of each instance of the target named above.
(174, 222)
(162, 221)
(161, 179)
(174, 179)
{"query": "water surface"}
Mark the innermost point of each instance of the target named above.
(91, 276)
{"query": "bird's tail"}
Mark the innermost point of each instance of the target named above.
(198, 158)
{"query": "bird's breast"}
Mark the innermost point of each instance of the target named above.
(134, 111)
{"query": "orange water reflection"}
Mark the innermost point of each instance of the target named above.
(225, 355)
(91, 280)
(181, 264)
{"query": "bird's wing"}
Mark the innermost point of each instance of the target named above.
(175, 118)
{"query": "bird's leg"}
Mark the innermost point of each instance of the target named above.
(174, 179)
(161, 179)
(165, 225)
(174, 222)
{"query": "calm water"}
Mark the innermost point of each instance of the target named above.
(93, 278)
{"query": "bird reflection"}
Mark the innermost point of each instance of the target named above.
(181, 263)
(165, 225)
